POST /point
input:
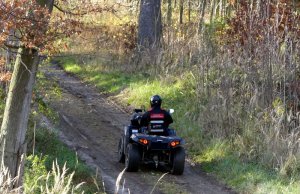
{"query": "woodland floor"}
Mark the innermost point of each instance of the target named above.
(91, 124)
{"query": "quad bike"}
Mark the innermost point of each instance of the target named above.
(141, 145)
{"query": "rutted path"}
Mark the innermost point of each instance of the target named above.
(91, 124)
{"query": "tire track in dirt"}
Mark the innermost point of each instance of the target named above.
(91, 124)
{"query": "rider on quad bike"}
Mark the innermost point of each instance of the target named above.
(148, 140)
(157, 118)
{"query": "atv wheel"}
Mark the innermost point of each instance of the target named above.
(178, 161)
(132, 159)
(121, 155)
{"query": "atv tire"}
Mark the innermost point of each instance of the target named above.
(132, 158)
(178, 161)
(121, 154)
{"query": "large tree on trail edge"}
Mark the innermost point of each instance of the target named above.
(17, 108)
(150, 25)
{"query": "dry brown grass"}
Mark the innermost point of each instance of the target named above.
(57, 181)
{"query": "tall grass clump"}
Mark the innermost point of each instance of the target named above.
(58, 180)
(253, 96)
(7, 182)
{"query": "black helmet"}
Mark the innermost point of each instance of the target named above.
(155, 101)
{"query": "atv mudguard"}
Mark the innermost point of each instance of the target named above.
(128, 131)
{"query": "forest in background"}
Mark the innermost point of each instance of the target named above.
(237, 61)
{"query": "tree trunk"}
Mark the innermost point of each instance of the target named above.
(189, 10)
(169, 20)
(169, 13)
(17, 109)
(181, 12)
(150, 26)
(201, 13)
(212, 13)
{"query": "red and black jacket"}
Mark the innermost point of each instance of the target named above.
(156, 119)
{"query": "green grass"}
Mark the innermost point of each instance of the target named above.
(178, 92)
(107, 82)
(41, 162)
(248, 177)
(42, 92)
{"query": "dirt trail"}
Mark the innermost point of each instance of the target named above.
(91, 124)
